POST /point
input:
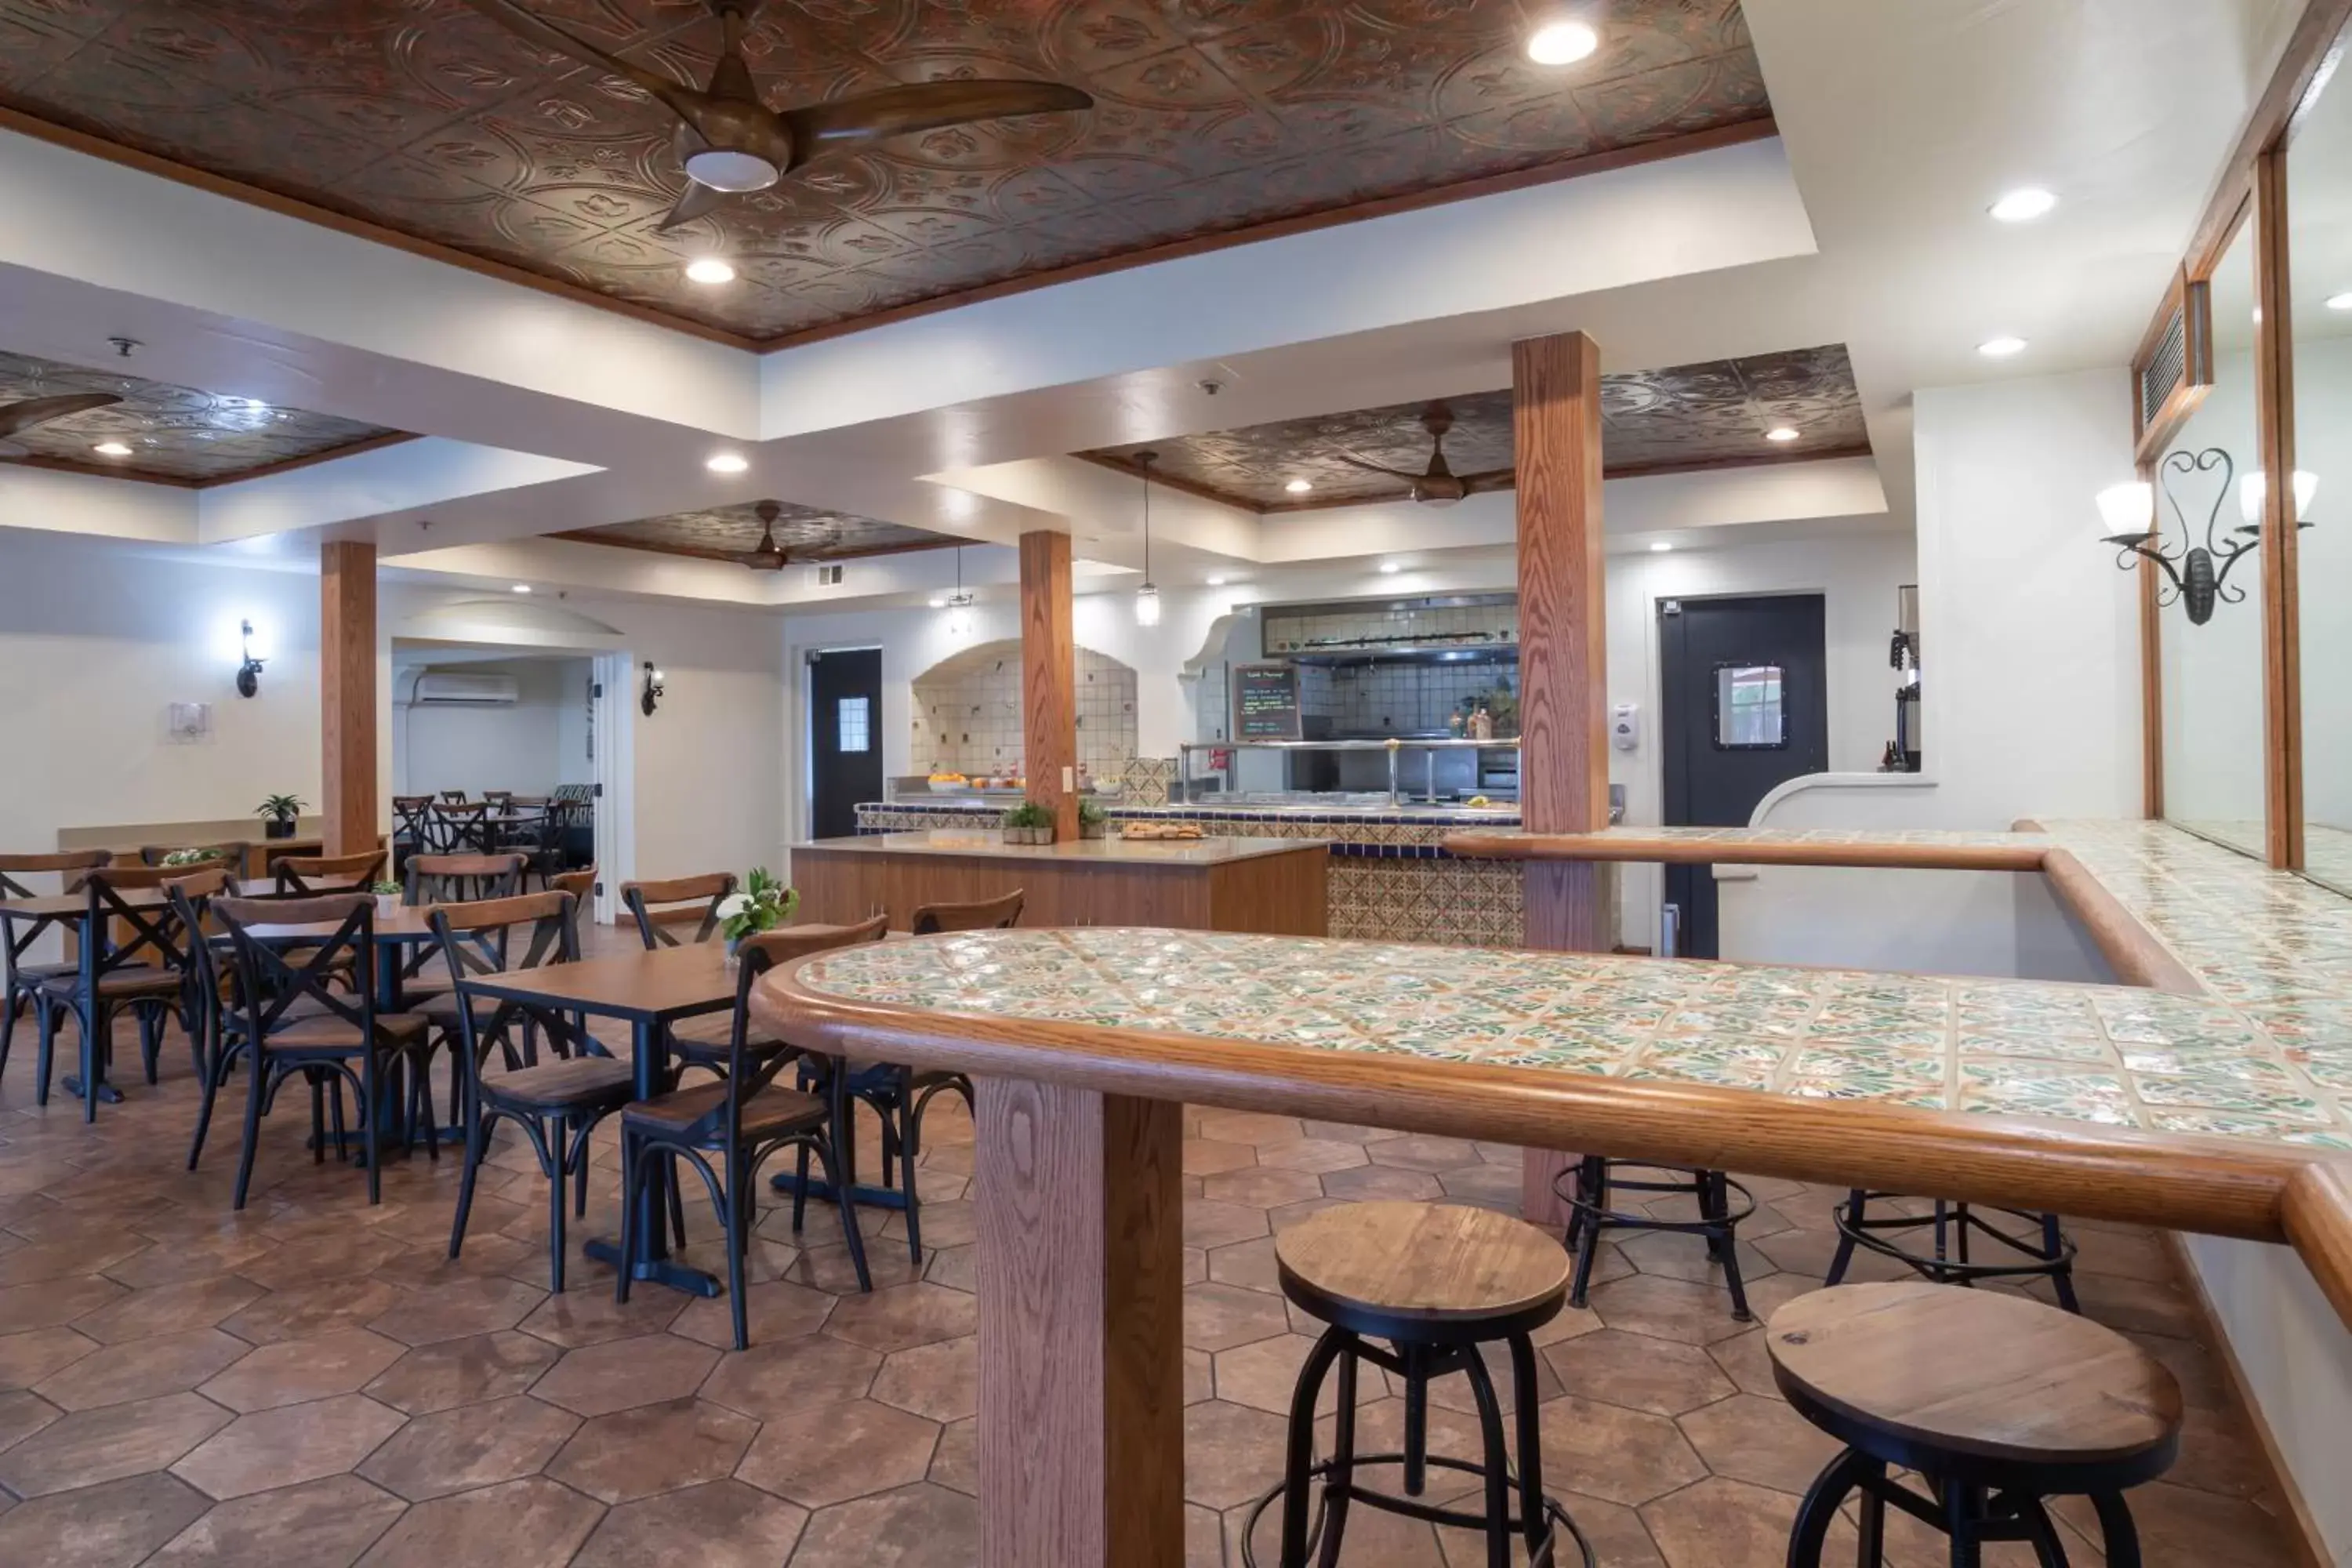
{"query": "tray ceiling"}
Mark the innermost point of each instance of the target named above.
(1693, 416)
(175, 433)
(806, 534)
(1212, 116)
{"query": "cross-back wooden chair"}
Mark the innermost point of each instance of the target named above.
(19, 934)
(580, 884)
(133, 953)
(461, 828)
(208, 975)
(309, 876)
(295, 1020)
(729, 1128)
(660, 909)
(454, 796)
(412, 830)
(558, 1103)
(461, 878)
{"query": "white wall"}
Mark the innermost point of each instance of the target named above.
(528, 748)
(2323, 437)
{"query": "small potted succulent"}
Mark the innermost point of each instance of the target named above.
(278, 814)
(1092, 823)
(763, 903)
(203, 856)
(388, 896)
(1029, 823)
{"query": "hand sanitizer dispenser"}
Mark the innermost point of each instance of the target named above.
(1625, 726)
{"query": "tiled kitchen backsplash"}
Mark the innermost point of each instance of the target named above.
(967, 713)
(1320, 626)
(1398, 699)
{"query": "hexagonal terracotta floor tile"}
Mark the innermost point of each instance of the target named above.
(50, 1302)
(284, 1446)
(24, 1412)
(1423, 1152)
(731, 1525)
(653, 1448)
(1665, 1377)
(1749, 1437)
(169, 1308)
(1723, 1523)
(1621, 1455)
(1208, 1224)
(921, 1526)
(839, 1452)
(904, 1316)
(1265, 1375)
(457, 1310)
(769, 1382)
(620, 1373)
(118, 1523)
(309, 1311)
(777, 1309)
(323, 1522)
(91, 1447)
(1221, 1316)
(1315, 1155)
(531, 1523)
(1232, 1453)
(1668, 1309)
(462, 1372)
(294, 1371)
(28, 1357)
(1363, 1183)
(955, 1463)
(472, 1446)
(1262, 1186)
(939, 1382)
(143, 1369)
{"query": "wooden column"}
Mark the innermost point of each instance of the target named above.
(2282, 612)
(1081, 1327)
(1049, 678)
(1563, 662)
(347, 696)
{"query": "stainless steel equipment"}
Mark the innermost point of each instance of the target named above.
(1905, 754)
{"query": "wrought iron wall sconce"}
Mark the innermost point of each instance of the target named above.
(249, 673)
(2197, 575)
(655, 690)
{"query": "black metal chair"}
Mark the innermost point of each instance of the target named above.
(289, 1017)
(558, 1103)
(746, 1117)
(19, 933)
(662, 911)
(131, 955)
(2040, 1250)
(411, 832)
(462, 827)
(310, 875)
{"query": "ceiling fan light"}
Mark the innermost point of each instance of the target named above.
(1563, 43)
(723, 168)
(112, 449)
(1300, 487)
(1781, 435)
(710, 269)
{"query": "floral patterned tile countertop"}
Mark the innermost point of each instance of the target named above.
(2115, 1055)
(1939, 837)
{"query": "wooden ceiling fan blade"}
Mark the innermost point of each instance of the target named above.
(1376, 469)
(700, 201)
(1492, 479)
(16, 416)
(925, 106)
(683, 101)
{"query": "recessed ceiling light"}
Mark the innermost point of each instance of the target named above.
(1300, 487)
(2000, 348)
(112, 449)
(1661, 547)
(1782, 435)
(938, 603)
(1562, 43)
(1391, 568)
(708, 270)
(522, 587)
(1219, 582)
(2023, 205)
(727, 462)
(2340, 301)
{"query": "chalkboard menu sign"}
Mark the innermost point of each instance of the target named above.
(1266, 702)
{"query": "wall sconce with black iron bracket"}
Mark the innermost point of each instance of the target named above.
(249, 673)
(2199, 575)
(655, 690)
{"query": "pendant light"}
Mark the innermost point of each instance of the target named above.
(1147, 598)
(958, 605)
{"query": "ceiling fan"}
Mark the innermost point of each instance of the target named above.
(1439, 485)
(32, 411)
(768, 555)
(731, 142)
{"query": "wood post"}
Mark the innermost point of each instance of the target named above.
(1081, 1327)
(2281, 541)
(347, 696)
(1563, 662)
(1049, 678)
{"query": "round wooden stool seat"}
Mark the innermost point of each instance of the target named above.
(1977, 1384)
(1434, 1274)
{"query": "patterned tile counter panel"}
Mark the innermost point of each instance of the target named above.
(2271, 943)
(2113, 1055)
(1390, 880)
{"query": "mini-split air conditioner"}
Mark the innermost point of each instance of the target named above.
(441, 689)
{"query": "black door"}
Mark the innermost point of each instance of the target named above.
(1745, 707)
(844, 739)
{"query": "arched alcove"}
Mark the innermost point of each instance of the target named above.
(967, 713)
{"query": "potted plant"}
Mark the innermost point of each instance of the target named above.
(278, 814)
(763, 903)
(1092, 823)
(1029, 823)
(194, 856)
(387, 897)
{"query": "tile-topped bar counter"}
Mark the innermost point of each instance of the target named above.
(2100, 1102)
(1392, 878)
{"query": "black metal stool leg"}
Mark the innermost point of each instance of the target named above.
(2062, 1277)
(2120, 1535)
(1856, 1204)
(1499, 1462)
(1524, 1395)
(1337, 1488)
(1416, 1420)
(2049, 1551)
(1869, 1516)
(1964, 1511)
(1724, 1243)
(1301, 1459)
(1820, 1508)
(1591, 1185)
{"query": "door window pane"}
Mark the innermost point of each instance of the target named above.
(1748, 712)
(855, 724)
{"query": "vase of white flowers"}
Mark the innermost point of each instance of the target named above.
(763, 903)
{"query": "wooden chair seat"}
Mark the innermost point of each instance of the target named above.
(558, 1086)
(140, 980)
(1911, 1366)
(326, 1032)
(770, 1113)
(1431, 1273)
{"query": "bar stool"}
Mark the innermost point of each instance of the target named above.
(1436, 1281)
(1997, 1401)
(2045, 1252)
(1586, 1191)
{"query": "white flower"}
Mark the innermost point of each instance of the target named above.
(734, 904)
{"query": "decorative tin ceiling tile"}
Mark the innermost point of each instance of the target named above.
(174, 432)
(1211, 116)
(806, 534)
(1687, 415)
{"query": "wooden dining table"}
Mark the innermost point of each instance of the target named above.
(2105, 1103)
(649, 992)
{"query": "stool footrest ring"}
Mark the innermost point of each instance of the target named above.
(1429, 1513)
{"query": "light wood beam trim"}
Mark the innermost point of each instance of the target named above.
(1049, 712)
(2317, 1213)
(347, 697)
(2130, 949)
(2274, 421)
